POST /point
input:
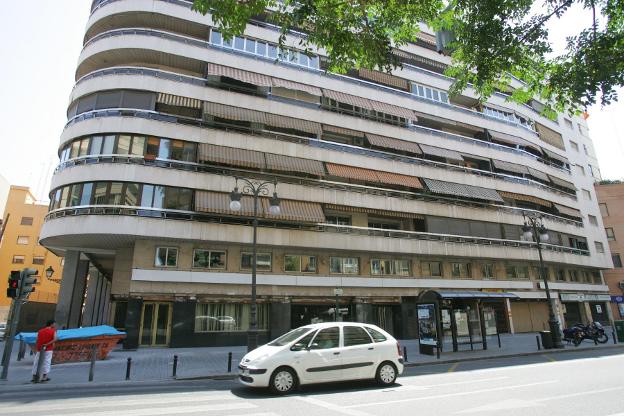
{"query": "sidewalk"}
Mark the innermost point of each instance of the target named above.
(153, 364)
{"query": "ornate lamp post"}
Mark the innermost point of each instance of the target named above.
(534, 230)
(254, 189)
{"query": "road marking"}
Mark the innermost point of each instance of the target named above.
(549, 358)
(454, 383)
(463, 393)
(509, 404)
(344, 410)
(580, 393)
(452, 368)
(168, 410)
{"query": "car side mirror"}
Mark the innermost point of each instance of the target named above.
(298, 347)
(314, 346)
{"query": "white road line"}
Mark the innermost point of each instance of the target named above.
(167, 410)
(580, 393)
(463, 393)
(412, 387)
(338, 409)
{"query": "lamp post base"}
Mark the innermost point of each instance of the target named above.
(252, 339)
(555, 333)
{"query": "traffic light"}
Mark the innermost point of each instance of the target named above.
(26, 288)
(14, 284)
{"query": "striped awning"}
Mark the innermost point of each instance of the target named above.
(351, 172)
(294, 164)
(462, 190)
(538, 174)
(527, 198)
(510, 167)
(342, 130)
(572, 212)
(209, 153)
(219, 203)
(234, 113)
(509, 139)
(391, 178)
(348, 99)
(550, 136)
(427, 38)
(298, 211)
(419, 59)
(562, 183)
(555, 156)
(396, 144)
(292, 85)
(379, 212)
(178, 101)
(383, 78)
(284, 122)
(238, 74)
(440, 152)
(394, 110)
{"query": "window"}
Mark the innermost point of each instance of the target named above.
(96, 145)
(209, 259)
(344, 265)
(299, 264)
(488, 271)
(592, 220)
(460, 270)
(574, 145)
(85, 198)
(599, 246)
(17, 259)
(355, 335)
(38, 260)
(23, 240)
(597, 278)
(517, 272)
(338, 220)
(432, 268)
(74, 195)
(610, 234)
(568, 123)
(376, 335)
(587, 278)
(166, 257)
(604, 211)
(228, 317)
(617, 260)
(326, 338)
(108, 147)
(573, 276)
(580, 170)
(26, 221)
(390, 267)
(587, 194)
(429, 93)
(585, 149)
(263, 261)
(561, 275)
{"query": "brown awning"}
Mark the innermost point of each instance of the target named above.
(390, 143)
(383, 78)
(351, 172)
(391, 178)
(231, 156)
(572, 212)
(342, 130)
(238, 74)
(550, 136)
(298, 211)
(219, 203)
(292, 85)
(234, 113)
(538, 174)
(555, 156)
(513, 140)
(294, 164)
(394, 110)
(284, 122)
(427, 38)
(419, 59)
(562, 183)
(440, 152)
(179, 101)
(528, 198)
(462, 190)
(510, 167)
(379, 212)
(348, 99)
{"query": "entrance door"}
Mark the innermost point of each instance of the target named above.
(155, 324)
(572, 315)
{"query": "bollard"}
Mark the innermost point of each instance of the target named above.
(92, 365)
(595, 340)
(37, 376)
(22, 350)
(539, 347)
(229, 362)
(405, 354)
(499, 343)
(175, 365)
(615, 341)
(438, 350)
(128, 366)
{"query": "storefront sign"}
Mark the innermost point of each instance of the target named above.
(583, 297)
(427, 325)
(617, 299)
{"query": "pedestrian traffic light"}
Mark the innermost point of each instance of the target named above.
(26, 287)
(14, 284)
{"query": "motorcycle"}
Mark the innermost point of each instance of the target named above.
(579, 332)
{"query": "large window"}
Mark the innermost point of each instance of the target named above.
(617, 260)
(208, 259)
(18, 259)
(432, 268)
(599, 246)
(166, 257)
(338, 220)
(610, 234)
(228, 317)
(429, 93)
(344, 265)
(263, 261)
(561, 277)
(517, 272)
(23, 240)
(604, 210)
(461, 270)
(390, 267)
(299, 263)
(26, 221)
(487, 270)
(592, 219)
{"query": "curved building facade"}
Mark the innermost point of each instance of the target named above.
(388, 186)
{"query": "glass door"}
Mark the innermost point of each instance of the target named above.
(155, 324)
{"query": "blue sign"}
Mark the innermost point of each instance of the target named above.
(617, 299)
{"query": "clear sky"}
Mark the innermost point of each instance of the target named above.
(42, 42)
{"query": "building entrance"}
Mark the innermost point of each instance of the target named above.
(155, 324)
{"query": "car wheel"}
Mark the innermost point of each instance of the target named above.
(386, 374)
(283, 380)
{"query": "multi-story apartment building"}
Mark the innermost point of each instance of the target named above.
(389, 187)
(611, 203)
(20, 248)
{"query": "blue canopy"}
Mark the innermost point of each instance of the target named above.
(78, 333)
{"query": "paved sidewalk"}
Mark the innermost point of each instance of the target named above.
(152, 364)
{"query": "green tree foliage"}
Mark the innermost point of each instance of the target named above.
(493, 42)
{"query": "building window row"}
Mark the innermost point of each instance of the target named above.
(429, 93)
(229, 317)
(509, 116)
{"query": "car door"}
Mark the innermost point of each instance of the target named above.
(322, 361)
(359, 355)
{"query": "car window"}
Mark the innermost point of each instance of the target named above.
(377, 336)
(305, 341)
(355, 335)
(289, 337)
(326, 338)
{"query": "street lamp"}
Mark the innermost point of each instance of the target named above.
(534, 230)
(49, 272)
(254, 189)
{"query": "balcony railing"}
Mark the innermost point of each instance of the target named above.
(319, 227)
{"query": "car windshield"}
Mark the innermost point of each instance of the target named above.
(290, 337)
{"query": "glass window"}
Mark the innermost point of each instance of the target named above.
(166, 257)
(138, 99)
(177, 147)
(26, 221)
(261, 48)
(292, 263)
(573, 276)
(147, 195)
(592, 220)
(250, 46)
(421, 91)
(152, 146)
(344, 265)
(189, 151)
(510, 272)
(488, 271)
(303, 59)
(435, 268)
(272, 51)
(64, 196)
(355, 335)
(376, 335)
(159, 197)
(456, 269)
(239, 43)
(314, 62)
(108, 99)
(308, 264)
(165, 149)
(74, 196)
(123, 144)
(18, 259)
(227, 42)
(443, 97)
(610, 234)
(326, 338)
(228, 317)
(587, 194)
(522, 272)
(617, 260)
(215, 37)
(96, 145)
(75, 149)
(23, 240)
(436, 95)
(604, 211)
(84, 147)
(38, 260)
(116, 193)
(99, 195)
(217, 259)
(599, 246)
(138, 145)
(86, 104)
(132, 194)
(333, 219)
(561, 275)
(57, 199)
(263, 261)
(85, 198)
(335, 265)
(109, 145)
(201, 258)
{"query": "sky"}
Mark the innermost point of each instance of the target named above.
(42, 43)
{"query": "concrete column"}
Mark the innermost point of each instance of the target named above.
(588, 312)
(279, 322)
(409, 321)
(133, 323)
(509, 317)
(93, 290)
(106, 303)
(364, 313)
(71, 294)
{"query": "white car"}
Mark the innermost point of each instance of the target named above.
(324, 352)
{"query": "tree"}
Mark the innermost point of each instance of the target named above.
(493, 41)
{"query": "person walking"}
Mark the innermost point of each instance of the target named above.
(45, 338)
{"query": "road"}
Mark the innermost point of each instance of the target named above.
(583, 383)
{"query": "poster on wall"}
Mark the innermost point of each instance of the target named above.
(427, 325)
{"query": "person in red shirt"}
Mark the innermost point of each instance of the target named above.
(45, 338)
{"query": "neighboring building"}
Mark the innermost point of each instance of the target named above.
(388, 187)
(4, 194)
(19, 249)
(611, 203)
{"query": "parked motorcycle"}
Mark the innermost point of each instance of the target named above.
(579, 332)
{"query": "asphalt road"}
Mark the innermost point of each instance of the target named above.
(584, 383)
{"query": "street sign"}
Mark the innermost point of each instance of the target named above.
(338, 291)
